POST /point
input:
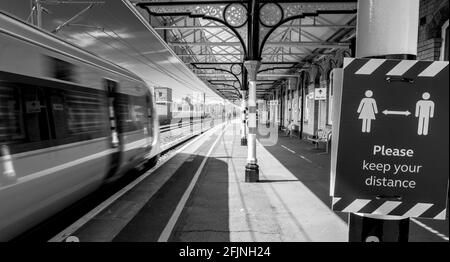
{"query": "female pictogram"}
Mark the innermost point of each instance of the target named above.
(367, 110)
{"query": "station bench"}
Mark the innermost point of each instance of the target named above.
(322, 137)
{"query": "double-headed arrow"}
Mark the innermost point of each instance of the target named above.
(403, 113)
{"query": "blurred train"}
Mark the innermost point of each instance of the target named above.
(69, 122)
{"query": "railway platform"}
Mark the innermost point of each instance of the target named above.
(199, 194)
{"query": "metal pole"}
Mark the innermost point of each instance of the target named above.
(202, 116)
(72, 19)
(243, 119)
(36, 16)
(302, 92)
(39, 14)
(280, 97)
(252, 169)
(397, 39)
(252, 65)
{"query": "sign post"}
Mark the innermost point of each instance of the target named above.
(390, 154)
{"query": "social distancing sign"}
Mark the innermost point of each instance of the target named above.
(391, 148)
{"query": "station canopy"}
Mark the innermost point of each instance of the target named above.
(211, 37)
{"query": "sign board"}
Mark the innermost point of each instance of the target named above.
(292, 83)
(320, 94)
(163, 94)
(390, 152)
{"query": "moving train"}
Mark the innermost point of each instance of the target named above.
(69, 122)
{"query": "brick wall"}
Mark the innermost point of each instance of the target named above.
(429, 49)
(433, 14)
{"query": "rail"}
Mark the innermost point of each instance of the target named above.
(166, 128)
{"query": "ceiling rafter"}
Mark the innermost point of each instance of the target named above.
(218, 45)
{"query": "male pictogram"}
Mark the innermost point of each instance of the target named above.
(367, 110)
(424, 111)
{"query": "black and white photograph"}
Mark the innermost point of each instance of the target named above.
(224, 129)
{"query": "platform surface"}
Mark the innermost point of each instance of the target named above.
(200, 195)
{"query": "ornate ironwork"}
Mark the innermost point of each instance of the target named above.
(270, 14)
(235, 15)
(292, 11)
(259, 17)
(236, 69)
(229, 71)
(225, 13)
(252, 69)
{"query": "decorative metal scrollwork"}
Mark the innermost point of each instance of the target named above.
(270, 14)
(209, 10)
(236, 69)
(298, 9)
(235, 15)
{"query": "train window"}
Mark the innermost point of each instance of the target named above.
(58, 116)
(37, 113)
(24, 114)
(131, 111)
(11, 120)
(86, 112)
(61, 69)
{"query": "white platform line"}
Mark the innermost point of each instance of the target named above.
(164, 237)
(94, 212)
(292, 151)
(437, 233)
(306, 159)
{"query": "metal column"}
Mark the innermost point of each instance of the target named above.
(385, 29)
(243, 119)
(36, 16)
(252, 169)
(252, 65)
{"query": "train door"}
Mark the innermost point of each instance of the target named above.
(115, 134)
(36, 114)
(149, 123)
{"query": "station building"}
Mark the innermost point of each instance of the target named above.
(307, 99)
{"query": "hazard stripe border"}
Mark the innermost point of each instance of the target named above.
(389, 207)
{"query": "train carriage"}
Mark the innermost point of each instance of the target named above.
(69, 121)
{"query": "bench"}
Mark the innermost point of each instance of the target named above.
(293, 132)
(322, 137)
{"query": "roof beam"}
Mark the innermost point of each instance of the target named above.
(285, 44)
(240, 54)
(259, 75)
(264, 63)
(223, 27)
